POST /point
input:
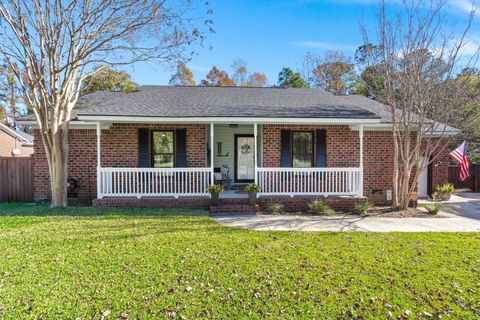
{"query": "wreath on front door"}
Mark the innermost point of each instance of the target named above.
(245, 148)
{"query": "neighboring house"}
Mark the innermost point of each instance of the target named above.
(15, 143)
(163, 146)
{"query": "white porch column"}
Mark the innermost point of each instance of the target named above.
(255, 158)
(360, 132)
(212, 175)
(99, 162)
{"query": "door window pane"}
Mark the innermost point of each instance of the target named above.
(302, 149)
(163, 149)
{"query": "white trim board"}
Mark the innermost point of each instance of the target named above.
(228, 120)
(388, 127)
(73, 124)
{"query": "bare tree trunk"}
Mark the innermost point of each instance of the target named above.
(405, 195)
(395, 172)
(58, 171)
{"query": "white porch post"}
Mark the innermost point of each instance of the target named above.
(255, 134)
(360, 189)
(99, 162)
(212, 175)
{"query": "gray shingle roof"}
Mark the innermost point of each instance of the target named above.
(385, 114)
(162, 101)
(168, 101)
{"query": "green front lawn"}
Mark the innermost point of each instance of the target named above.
(88, 263)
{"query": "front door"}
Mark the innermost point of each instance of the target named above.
(244, 158)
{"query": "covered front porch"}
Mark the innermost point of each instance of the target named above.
(237, 154)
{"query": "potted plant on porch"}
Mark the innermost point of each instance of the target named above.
(252, 190)
(444, 191)
(215, 190)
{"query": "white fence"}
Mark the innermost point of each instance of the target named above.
(310, 181)
(139, 182)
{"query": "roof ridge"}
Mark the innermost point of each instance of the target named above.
(221, 87)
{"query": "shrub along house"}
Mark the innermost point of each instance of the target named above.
(163, 146)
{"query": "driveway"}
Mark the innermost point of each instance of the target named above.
(465, 204)
(462, 213)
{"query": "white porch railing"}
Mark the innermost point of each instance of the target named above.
(140, 182)
(310, 181)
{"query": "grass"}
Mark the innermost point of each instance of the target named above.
(89, 263)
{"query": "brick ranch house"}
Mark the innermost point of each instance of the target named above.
(163, 146)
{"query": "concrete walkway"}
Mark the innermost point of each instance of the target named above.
(462, 214)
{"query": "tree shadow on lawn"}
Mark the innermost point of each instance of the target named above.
(43, 210)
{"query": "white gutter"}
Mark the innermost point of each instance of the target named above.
(388, 127)
(227, 120)
(73, 124)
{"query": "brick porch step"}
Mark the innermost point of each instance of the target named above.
(234, 208)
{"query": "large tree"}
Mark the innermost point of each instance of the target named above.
(467, 119)
(217, 78)
(52, 46)
(333, 72)
(9, 96)
(371, 76)
(107, 79)
(256, 79)
(243, 78)
(287, 78)
(183, 76)
(419, 55)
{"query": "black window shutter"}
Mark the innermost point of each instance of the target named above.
(321, 139)
(285, 148)
(143, 159)
(181, 148)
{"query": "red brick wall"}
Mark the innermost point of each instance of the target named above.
(343, 151)
(377, 165)
(342, 144)
(440, 165)
(119, 147)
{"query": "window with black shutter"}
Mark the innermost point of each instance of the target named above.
(302, 149)
(163, 149)
(297, 149)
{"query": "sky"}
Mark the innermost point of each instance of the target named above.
(270, 35)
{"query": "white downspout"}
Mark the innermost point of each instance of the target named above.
(212, 175)
(99, 163)
(360, 191)
(255, 134)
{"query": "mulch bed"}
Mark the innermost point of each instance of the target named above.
(387, 212)
(380, 212)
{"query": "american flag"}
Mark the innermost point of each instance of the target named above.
(460, 156)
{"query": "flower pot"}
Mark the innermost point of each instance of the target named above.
(252, 198)
(215, 199)
(445, 196)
